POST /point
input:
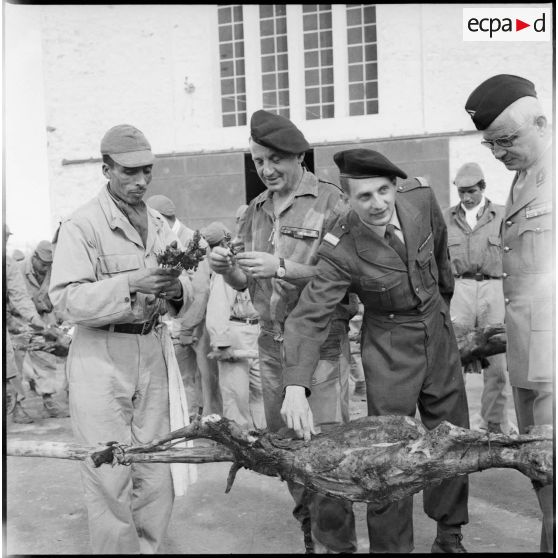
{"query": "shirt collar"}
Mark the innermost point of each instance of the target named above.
(308, 185)
(380, 230)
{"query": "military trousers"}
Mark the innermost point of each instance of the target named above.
(240, 381)
(478, 304)
(534, 407)
(332, 520)
(199, 373)
(119, 391)
(410, 365)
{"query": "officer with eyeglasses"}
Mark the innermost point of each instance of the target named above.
(505, 107)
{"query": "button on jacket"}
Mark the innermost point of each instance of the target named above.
(528, 264)
(477, 250)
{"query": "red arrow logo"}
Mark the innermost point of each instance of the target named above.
(519, 25)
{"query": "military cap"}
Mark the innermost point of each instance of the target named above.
(162, 204)
(494, 95)
(127, 146)
(468, 175)
(18, 255)
(214, 233)
(44, 251)
(277, 132)
(365, 163)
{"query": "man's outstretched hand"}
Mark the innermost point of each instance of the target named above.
(296, 412)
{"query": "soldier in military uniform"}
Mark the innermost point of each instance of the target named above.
(391, 249)
(505, 107)
(279, 239)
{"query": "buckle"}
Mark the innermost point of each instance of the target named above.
(148, 326)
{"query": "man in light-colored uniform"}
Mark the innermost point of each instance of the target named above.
(279, 238)
(189, 333)
(232, 322)
(17, 298)
(106, 280)
(44, 371)
(478, 300)
(505, 107)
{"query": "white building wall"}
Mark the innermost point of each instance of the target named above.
(104, 65)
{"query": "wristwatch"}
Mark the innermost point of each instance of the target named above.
(281, 271)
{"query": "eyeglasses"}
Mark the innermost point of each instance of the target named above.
(503, 142)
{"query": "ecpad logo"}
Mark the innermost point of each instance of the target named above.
(507, 24)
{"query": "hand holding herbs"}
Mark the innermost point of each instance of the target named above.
(174, 258)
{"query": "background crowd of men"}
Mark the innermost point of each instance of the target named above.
(260, 333)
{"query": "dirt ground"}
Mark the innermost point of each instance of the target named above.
(45, 512)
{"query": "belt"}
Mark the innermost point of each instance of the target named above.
(135, 329)
(250, 321)
(475, 276)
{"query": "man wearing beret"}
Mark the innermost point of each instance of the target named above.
(476, 260)
(391, 249)
(43, 370)
(506, 109)
(189, 335)
(106, 280)
(279, 238)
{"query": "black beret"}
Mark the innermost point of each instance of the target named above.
(365, 163)
(277, 132)
(494, 95)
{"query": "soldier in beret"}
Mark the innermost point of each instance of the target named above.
(391, 249)
(505, 107)
(106, 280)
(279, 238)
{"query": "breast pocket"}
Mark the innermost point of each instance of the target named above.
(457, 248)
(535, 236)
(426, 264)
(380, 291)
(113, 264)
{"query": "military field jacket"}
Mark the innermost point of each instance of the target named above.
(96, 248)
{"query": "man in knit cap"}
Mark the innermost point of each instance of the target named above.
(232, 322)
(278, 241)
(506, 109)
(189, 334)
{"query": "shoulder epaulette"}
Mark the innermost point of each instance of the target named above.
(331, 184)
(337, 230)
(413, 184)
